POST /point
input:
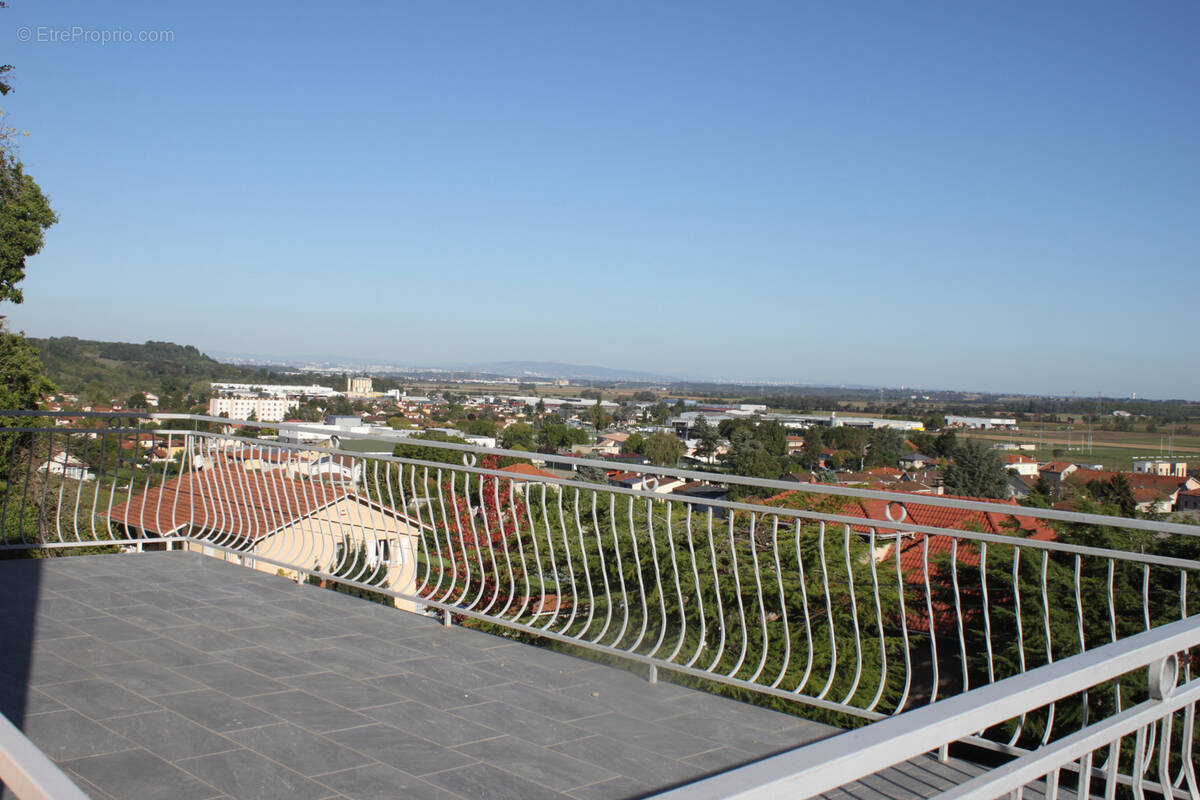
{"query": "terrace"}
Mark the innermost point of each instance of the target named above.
(546, 637)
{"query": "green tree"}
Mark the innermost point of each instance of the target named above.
(517, 435)
(597, 415)
(664, 450)
(23, 383)
(137, 401)
(814, 443)
(636, 443)
(749, 457)
(934, 422)
(976, 471)
(1117, 492)
(24, 216)
(707, 435)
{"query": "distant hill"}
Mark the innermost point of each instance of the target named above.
(104, 370)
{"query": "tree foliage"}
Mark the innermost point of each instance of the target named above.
(976, 471)
(664, 450)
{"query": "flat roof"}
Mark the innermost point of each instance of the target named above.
(178, 675)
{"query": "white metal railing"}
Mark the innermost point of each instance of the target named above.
(1098, 759)
(28, 772)
(825, 596)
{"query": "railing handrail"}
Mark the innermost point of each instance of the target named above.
(822, 766)
(1032, 766)
(28, 772)
(1155, 526)
(1049, 514)
(901, 527)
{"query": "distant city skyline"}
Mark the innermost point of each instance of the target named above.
(1000, 198)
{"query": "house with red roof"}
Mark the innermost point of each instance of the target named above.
(920, 554)
(266, 515)
(1157, 493)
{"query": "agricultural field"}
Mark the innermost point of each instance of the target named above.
(1112, 449)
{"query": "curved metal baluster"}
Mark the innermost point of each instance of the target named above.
(762, 610)
(828, 615)
(712, 551)
(537, 557)
(637, 560)
(484, 481)
(46, 489)
(987, 616)
(1082, 641)
(462, 539)
(612, 519)
(929, 611)
(662, 597)
(787, 633)
(1112, 768)
(425, 590)
(1112, 626)
(808, 634)
(515, 535)
(93, 516)
(587, 571)
(682, 636)
(883, 665)
(608, 598)
(553, 565)
(1137, 774)
(562, 525)
(958, 614)
(11, 461)
(701, 617)
(503, 534)
(1049, 641)
(445, 519)
(1016, 579)
(858, 650)
(737, 582)
(904, 630)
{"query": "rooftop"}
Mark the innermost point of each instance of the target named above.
(176, 675)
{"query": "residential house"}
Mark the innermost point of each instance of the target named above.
(1055, 472)
(1188, 500)
(1021, 464)
(265, 515)
(641, 482)
(68, 466)
(1157, 493)
(916, 461)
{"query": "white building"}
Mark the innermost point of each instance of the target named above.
(359, 385)
(1022, 465)
(276, 389)
(68, 467)
(981, 423)
(264, 409)
(1155, 466)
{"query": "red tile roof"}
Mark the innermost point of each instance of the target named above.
(245, 504)
(910, 508)
(528, 469)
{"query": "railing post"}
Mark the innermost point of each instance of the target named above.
(446, 619)
(653, 676)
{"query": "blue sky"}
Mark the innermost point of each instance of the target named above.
(986, 196)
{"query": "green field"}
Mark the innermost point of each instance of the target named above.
(1112, 449)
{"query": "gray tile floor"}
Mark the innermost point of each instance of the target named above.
(177, 676)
